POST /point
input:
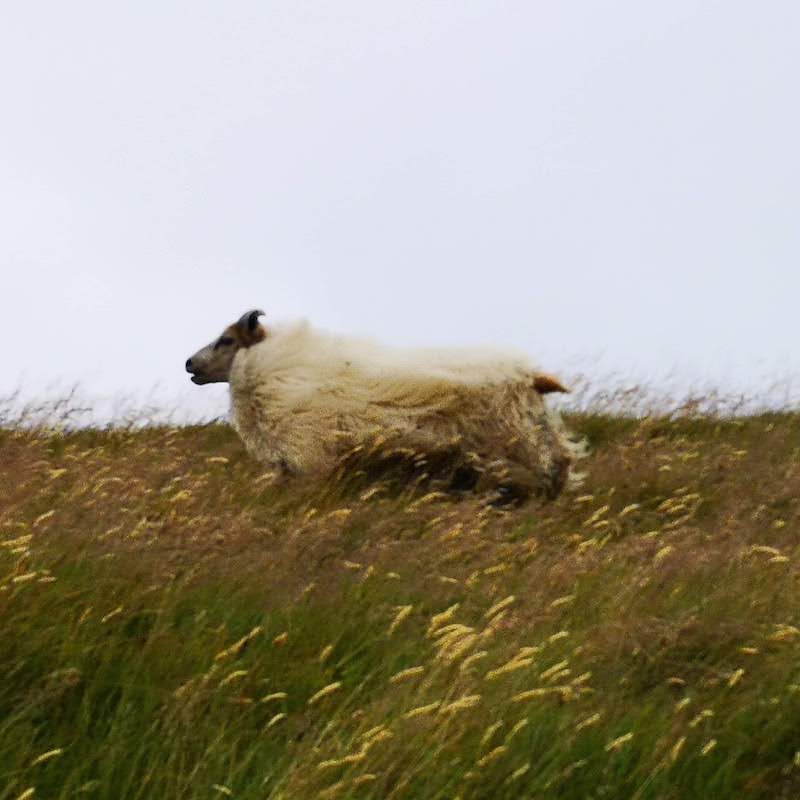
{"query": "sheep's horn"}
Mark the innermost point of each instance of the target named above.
(249, 320)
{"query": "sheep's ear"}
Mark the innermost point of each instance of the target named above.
(546, 384)
(249, 329)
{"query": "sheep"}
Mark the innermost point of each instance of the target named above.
(302, 399)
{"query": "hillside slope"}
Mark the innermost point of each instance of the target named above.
(175, 625)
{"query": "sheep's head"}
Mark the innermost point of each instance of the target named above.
(212, 363)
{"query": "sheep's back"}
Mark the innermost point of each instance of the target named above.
(308, 397)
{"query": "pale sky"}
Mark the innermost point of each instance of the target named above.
(608, 186)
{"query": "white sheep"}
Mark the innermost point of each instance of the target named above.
(301, 399)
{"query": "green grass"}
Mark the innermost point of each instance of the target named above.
(170, 616)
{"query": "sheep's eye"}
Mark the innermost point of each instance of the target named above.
(223, 341)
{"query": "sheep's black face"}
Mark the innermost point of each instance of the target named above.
(212, 363)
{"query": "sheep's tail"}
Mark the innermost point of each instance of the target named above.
(547, 384)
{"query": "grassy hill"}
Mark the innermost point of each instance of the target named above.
(175, 625)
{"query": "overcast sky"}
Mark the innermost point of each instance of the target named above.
(612, 184)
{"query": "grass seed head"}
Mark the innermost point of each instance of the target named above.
(676, 749)
(437, 620)
(406, 674)
(402, 613)
(47, 756)
(503, 604)
(421, 711)
(463, 703)
(326, 691)
(708, 747)
(491, 756)
(620, 741)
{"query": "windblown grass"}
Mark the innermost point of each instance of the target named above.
(176, 624)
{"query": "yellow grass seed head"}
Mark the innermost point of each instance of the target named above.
(326, 691)
(662, 553)
(469, 661)
(676, 749)
(518, 726)
(620, 741)
(406, 674)
(463, 703)
(560, 675)
(453, 533)
(589, 721)
(402, 613)
(518, 773)
(421, 711)
(27, 794)
(763, 548)
(708, 747)
(377, 738)
(596, 516)
(333, 791)
(326, 653)
(437, 620)
(112, 614)
(532, 694)
(457, 647)
(234, 676)
(370, 493)
(236, 647)
(372, 732)
(331, 763)
(43, 517)
(704, 714)
(275, 720)
(47, 756)
(491, 756)
(735, 677)
(451, 633)
(503, 604)
(490, 732)
(20, 540)
(274, 696)
(784, 633)
(511, 666)
(554, 669)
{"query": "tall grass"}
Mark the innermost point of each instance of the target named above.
(176, 624)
